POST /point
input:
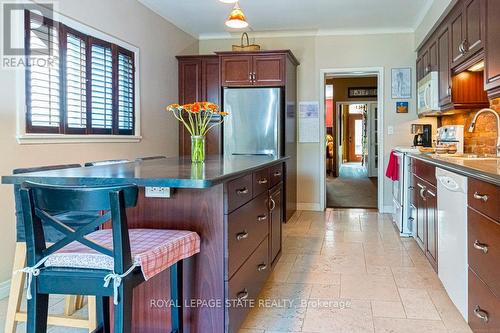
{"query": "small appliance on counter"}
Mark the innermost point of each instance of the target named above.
(450, 139)
(423, 135)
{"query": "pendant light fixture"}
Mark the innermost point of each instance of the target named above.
(228, 1)
(236, 18)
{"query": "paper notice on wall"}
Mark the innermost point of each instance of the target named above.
(308, 122)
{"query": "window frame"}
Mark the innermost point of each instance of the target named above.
(29, 134)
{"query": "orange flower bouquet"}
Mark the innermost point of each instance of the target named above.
(198, 118)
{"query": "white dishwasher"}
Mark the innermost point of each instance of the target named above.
(452, 236)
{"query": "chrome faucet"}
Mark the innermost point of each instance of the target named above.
(473, 125)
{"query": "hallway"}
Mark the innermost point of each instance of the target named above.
(352, 189)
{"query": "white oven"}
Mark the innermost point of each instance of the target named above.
(428, 93)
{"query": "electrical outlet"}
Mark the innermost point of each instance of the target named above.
(390, 130)
(157, 192)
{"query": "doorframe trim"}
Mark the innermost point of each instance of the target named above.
(379, 71)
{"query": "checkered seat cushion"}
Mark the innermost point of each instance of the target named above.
(152, 250)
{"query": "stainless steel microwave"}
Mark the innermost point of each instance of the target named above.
(428, 93)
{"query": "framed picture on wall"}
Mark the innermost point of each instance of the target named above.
(401, 83)
(362, 92)
(402, 107)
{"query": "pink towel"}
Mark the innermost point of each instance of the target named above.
(392, 171)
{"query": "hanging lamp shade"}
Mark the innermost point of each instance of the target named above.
(236, 18)
(228, 1)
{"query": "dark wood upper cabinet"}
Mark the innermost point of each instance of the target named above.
(189, 80)
(199, 81)
(420, 68)
(269, 70)
(457, 37)
(443, 45)
(474, 26)
(262, 68)
(236, 70)
(467, 30)
(492, 49)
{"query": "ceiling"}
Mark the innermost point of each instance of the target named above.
(204, 19)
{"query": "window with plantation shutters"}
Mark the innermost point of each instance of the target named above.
(125, 92)
(44, 89)
(89, 87)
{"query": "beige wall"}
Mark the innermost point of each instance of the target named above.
(158, 41)
(327, 52)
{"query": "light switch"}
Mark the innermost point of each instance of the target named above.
(157, 192)
(390, 130)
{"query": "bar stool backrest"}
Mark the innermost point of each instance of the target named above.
(20, 236)
(39, 201)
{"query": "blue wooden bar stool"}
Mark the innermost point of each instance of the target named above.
(105, 263)
(73, 303)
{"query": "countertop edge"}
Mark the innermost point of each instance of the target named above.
(161, 182)
(460, 169)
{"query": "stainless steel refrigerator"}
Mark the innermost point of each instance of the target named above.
(253, 127)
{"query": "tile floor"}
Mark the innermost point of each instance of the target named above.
(343, 271)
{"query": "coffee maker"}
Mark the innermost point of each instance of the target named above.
(423, 135)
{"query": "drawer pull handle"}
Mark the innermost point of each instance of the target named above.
(262, 181)
(261, 218)
(423, 189)
(242, 295)
(481, 314)
(262, 267)
(242, 191)
(277, 173)
(478, 196)
(242, 235)
(273, 204)
(481, 247)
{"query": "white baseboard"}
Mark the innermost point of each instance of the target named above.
(308, 206)
(4, 289)
(387, 209)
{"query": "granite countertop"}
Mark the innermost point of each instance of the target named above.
(487, 170)
(176, 172)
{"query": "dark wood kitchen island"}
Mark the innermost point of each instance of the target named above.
(235, 204)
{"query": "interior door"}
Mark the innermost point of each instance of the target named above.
(355, 138)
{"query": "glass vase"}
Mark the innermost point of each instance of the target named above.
(197, 148)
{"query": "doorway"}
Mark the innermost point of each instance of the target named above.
(351, 127)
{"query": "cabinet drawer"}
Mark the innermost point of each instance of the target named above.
(425, 171)
(239, 192)
(483, 233)
(482, 303)
(247, 227)
(246, 285)
(260, 181)
(484, 198)
(276, 174)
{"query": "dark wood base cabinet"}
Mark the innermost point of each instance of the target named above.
(424, 201)
(483, 234)
(238, 221)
